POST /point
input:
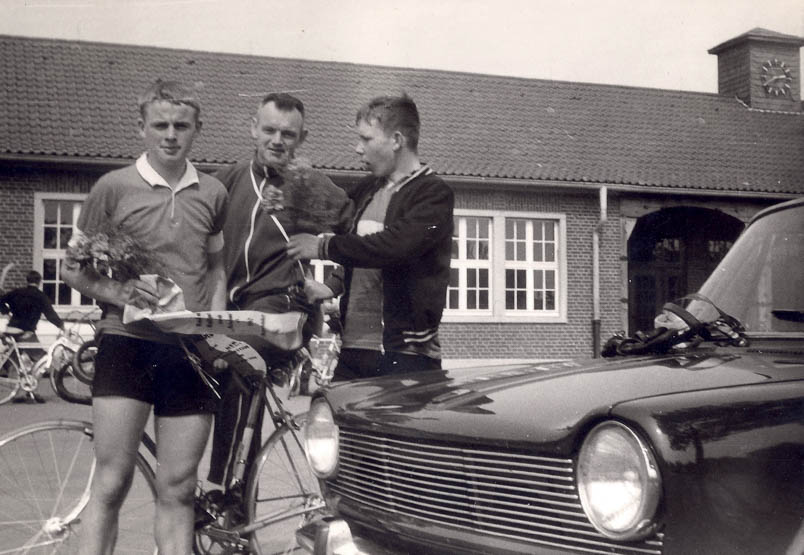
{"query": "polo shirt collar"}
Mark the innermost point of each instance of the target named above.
(152, 177)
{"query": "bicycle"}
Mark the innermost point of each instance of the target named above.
(321, 359)
(16, 366)
(274, 495)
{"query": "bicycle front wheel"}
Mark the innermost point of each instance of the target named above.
(67, 385)
(45, 473)
(9, 380)
(282, 493)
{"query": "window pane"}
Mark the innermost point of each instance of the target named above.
(86, 300)
(509, 300)
(484, 278)
(51, 211)
(551, 300)
(537, 231)
(64, 294)
(483, 250)
(455, 248)
(550, 252)
(471, 252)
(538, 300)
(471, 278)
(550, 277)
(50, 238)
(521, 301)
(520, 251)
(484, 299)
(66, 212)
(64, 237)
(538, 279)
(49, 269)
(483, 228)
(549, 231)
(454, 277)
(453, 299)
(50, 290)
(510, 282)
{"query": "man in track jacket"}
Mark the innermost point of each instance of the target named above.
(272, 195)
(397, 257)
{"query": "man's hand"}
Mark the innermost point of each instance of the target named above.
(137, 293)
(303, 246)
(317, 291)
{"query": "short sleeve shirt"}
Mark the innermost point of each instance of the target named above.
(179, 227)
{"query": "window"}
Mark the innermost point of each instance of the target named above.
(470, 271)
(507, 267)
(55, 216)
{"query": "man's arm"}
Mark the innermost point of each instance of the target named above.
(89, 282)
(50, 314)
(217, 275)
(424, 225)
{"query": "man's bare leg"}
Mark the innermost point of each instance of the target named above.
(180, 444)
(118, 424)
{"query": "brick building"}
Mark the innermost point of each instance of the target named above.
(580, 208)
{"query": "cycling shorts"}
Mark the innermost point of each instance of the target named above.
(155, 373)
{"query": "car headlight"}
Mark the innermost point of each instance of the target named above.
(618, 482)
(321, 439)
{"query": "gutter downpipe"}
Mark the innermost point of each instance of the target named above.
(603, 191)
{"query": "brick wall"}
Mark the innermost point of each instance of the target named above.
(549, 340)
(17, 187)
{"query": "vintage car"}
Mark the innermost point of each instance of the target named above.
(686, 442)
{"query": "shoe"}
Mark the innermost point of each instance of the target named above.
(38, 398)
(23, 399)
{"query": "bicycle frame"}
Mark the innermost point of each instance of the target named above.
(263, 397)
(66, 341)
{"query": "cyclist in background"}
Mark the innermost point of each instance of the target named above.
(26, 305)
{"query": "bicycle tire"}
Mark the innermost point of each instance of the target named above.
(45, 472)
(84, 361)
(9, 380)
(292, 497)
(67, 386)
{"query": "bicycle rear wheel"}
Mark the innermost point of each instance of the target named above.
(45, 473)
(9, 380)
(282, 492)
(67, 386)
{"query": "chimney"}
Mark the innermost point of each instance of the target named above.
(761, 68)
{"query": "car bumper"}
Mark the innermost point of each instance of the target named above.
(332, 536)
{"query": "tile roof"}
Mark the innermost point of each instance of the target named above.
(78, 99)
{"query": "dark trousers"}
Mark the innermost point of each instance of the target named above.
(230, 419)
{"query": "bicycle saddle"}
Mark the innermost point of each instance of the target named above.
(13, 332)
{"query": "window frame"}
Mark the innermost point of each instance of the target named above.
(39, 247)
(498, 312)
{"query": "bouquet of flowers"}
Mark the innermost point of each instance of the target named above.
(296, 171)
(114, 253)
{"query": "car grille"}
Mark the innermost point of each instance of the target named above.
(512, 495)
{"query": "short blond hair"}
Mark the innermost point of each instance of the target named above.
(171, 91)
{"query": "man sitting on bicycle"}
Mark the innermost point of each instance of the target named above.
(270, 197)
(26, 305)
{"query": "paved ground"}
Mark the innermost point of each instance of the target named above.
(15, 415)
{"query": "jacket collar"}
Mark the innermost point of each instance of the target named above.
(261, 171)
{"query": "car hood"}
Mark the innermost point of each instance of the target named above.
(518, 405)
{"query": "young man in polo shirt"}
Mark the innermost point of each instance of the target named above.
(176, 213)
(396, 260)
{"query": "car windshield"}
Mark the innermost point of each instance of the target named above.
(759, 281)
